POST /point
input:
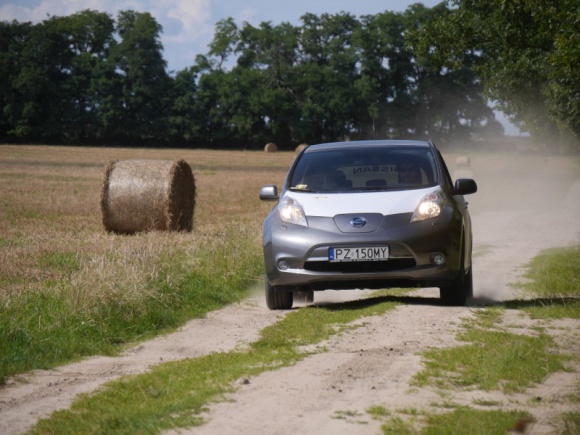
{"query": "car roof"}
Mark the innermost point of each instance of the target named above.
(369, 143)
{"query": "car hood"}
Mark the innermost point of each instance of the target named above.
(384, 202)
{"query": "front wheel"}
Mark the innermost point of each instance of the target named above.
(460, 289)
(277, 299)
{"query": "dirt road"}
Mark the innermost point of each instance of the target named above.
(521, 208)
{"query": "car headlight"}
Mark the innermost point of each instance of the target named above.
(292, 212)
(429, 207)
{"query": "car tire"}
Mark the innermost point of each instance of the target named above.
(277, 298)
(468, 285)
(460, 290)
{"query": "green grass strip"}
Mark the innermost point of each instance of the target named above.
(494, 359)
(44, 329)
(461, 421)
(555, 272)
(174, 394)
(497, 359)
(570, 423)
(555, 277)
(548, 308)
(466, 421)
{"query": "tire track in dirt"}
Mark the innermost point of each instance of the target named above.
(27, 398)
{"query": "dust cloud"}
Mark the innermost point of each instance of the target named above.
(525, 203)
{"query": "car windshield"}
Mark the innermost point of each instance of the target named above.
(364, 168)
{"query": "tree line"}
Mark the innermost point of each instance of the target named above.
(88, 78)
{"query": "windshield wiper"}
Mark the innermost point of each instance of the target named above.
(300, 189)
(376, 188)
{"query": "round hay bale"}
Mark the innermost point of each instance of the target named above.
(271, 147)
(300, 147)
(145, 195)
(463, 161)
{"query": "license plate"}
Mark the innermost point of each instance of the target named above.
(375, 253)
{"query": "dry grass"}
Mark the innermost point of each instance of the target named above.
(300, 148)
(50, 217)
(69, 288)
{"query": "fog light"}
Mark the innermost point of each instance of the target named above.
(438, 259)
(283, 265)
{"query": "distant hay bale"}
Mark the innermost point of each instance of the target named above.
(300, 147)
(145, 195)
(463, 161)
(271, 147)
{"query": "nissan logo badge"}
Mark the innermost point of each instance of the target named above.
(358, 222)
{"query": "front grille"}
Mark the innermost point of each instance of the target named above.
(360, 266)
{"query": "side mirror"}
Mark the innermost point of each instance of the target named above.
(269, 193)
(464, 186)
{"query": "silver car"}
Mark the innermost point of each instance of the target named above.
(367, 215)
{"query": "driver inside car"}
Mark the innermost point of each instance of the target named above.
(409, 173)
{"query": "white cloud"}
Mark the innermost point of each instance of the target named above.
(9, 12)
(41, 10)
(249, 15)
(35, 14)
(192, 15)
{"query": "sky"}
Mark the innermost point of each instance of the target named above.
(188, 25)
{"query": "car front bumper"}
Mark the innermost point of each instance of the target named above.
(304, 253)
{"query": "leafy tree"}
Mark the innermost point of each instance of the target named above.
(224, 41)
(91, 36)
(327, 74)
(269, 55)
(253, 102)
(182, 118)
(386, 70)
(12, 42)
(141, 86)
(527, 54)
(449, 99)
(44, 67)
(410, 97)
(564, 61)
(52, 72)
(214, 120)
